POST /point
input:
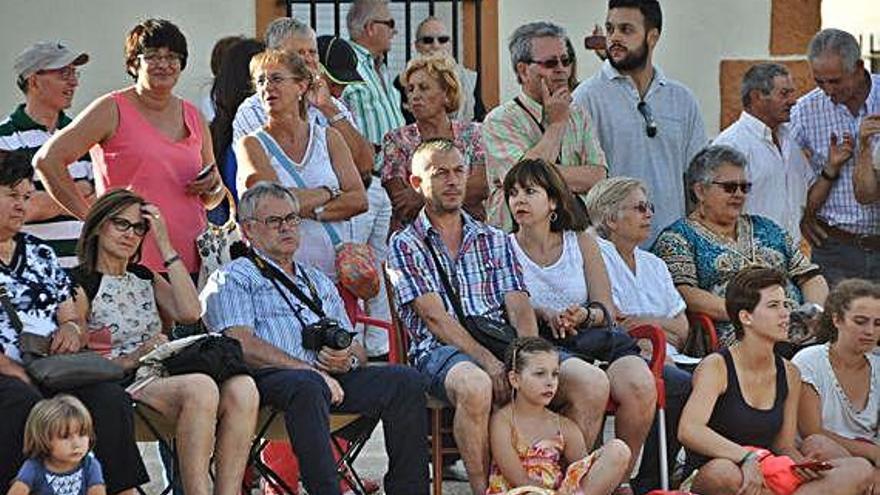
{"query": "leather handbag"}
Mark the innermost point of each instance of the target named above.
(494, 335)
(356, 266)
(215, 355)
(603, 344)
(214, 242)
(57, 371)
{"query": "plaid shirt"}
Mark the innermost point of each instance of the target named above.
(814, 118)
(375, 104)
(483, 271)
(238, 295)
(508, 133)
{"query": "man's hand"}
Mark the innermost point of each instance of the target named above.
(334, 361)
(337, 395)
(839, 151)
(408, 203)
(66, 339)
(869, 128)
(557, 105)
(319, 97)
(811, 230)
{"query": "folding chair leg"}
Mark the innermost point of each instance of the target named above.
(437, 450)
(344, 466)
(664, 461)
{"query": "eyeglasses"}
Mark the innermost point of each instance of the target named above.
(387, 22)
(64, 73)
(276, 222)
(730, 187)
(643, 207)
(650, 125)
(274, 80)
(429, 40)
(122, 226)
(552, 63)
(155, 58)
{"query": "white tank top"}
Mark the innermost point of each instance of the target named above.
(316, 170)
(559, 285)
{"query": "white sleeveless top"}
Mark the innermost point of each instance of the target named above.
(559, 285)
(315, 248)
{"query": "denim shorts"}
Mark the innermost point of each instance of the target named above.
(441, 359)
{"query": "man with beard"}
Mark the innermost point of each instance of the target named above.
(48, 75)
(541, 122)
(776, 166)
(649, 126)
(844, 233)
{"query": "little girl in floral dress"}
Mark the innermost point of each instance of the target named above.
(535, 450)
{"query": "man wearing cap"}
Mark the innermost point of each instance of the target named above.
(289, 34)
(47, 75)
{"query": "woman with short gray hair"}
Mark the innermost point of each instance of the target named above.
(708, 247)
(641, 285)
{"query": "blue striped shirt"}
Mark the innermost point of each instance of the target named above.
(238, 295)
(375, 104)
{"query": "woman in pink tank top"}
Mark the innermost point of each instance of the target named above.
(146, 139)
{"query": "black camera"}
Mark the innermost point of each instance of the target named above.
(325, 332)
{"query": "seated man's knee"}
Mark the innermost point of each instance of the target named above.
(582, 383)
(633, 383)
(470, 388)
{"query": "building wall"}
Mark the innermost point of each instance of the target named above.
(99, 28)
(696, 35)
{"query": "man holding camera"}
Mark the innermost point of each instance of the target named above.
(295, 335)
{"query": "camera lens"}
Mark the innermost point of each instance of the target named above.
(340, 339)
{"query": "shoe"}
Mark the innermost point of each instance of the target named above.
(455, 472)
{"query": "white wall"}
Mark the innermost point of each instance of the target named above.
(854, 16)
(697, 35)
(98, 27)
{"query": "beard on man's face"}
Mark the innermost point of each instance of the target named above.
(633, 59)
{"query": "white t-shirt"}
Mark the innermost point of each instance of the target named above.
(838, 413)
(560, 284)
(647, 292)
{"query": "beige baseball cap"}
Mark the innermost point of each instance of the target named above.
(47, 55)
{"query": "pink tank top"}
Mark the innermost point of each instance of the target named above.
(139, 157)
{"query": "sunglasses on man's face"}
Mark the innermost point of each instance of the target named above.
(730, 187)
(552, 63)
(429, 40)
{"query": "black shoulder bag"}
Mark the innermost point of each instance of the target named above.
(493, 335)
(603, 344)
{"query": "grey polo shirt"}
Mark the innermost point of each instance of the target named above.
(611, 99)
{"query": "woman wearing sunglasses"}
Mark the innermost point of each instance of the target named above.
(432, 39)
(126, 306)
(708, 247)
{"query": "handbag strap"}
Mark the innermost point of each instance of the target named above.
(275, 275)
(444, 279)
(605, 313)
(10, 310)
(281, 157)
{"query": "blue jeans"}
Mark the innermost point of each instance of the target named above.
(393, 394)
(840, 260)
(678, 389)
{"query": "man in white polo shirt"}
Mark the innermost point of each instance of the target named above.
(48, 76)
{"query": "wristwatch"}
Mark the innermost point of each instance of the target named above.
(334, 191)
(354, 362)
(318, 212)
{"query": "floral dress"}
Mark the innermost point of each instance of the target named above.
(698, 257)
(543, 462)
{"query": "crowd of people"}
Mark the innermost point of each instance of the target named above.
(561, 220)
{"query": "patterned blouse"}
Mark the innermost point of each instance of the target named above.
(123, 313)
(36, 285)
(698, 257)
(400, 144)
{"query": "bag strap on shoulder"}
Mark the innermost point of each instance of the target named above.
(11, 312)
(444, 279)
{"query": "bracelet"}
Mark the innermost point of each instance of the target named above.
(829, 177)
(336, 118)
(75, 326)
(216, 189)
(170, 261)
(750, 455)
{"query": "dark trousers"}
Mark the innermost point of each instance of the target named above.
(678, 389)
(112, 416)
(840, 260)
(393, 394)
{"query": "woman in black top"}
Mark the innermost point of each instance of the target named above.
(748, 396)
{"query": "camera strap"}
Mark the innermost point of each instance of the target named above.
(272, 273)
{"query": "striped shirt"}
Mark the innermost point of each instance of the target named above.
(813, 119)
(20, 132)
(375, 103)
(238, 295)
(483, 271)
(509, 133)
(251, 115)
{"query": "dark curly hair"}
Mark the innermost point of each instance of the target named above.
(533, 171)
(155, 34)
(15, 166)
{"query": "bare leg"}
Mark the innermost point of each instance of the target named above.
(236, 420)
(470, 390)
(850, 476)
(634, 391)
(583, 393)
(191, 401)
(718, 477)
(607, 469)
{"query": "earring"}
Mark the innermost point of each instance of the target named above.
(553, 216)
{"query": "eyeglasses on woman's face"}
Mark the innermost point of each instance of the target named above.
(154, 58)
(272, 79)
(643, 207)
(275, 222)
(731, 186)
(122, 226)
